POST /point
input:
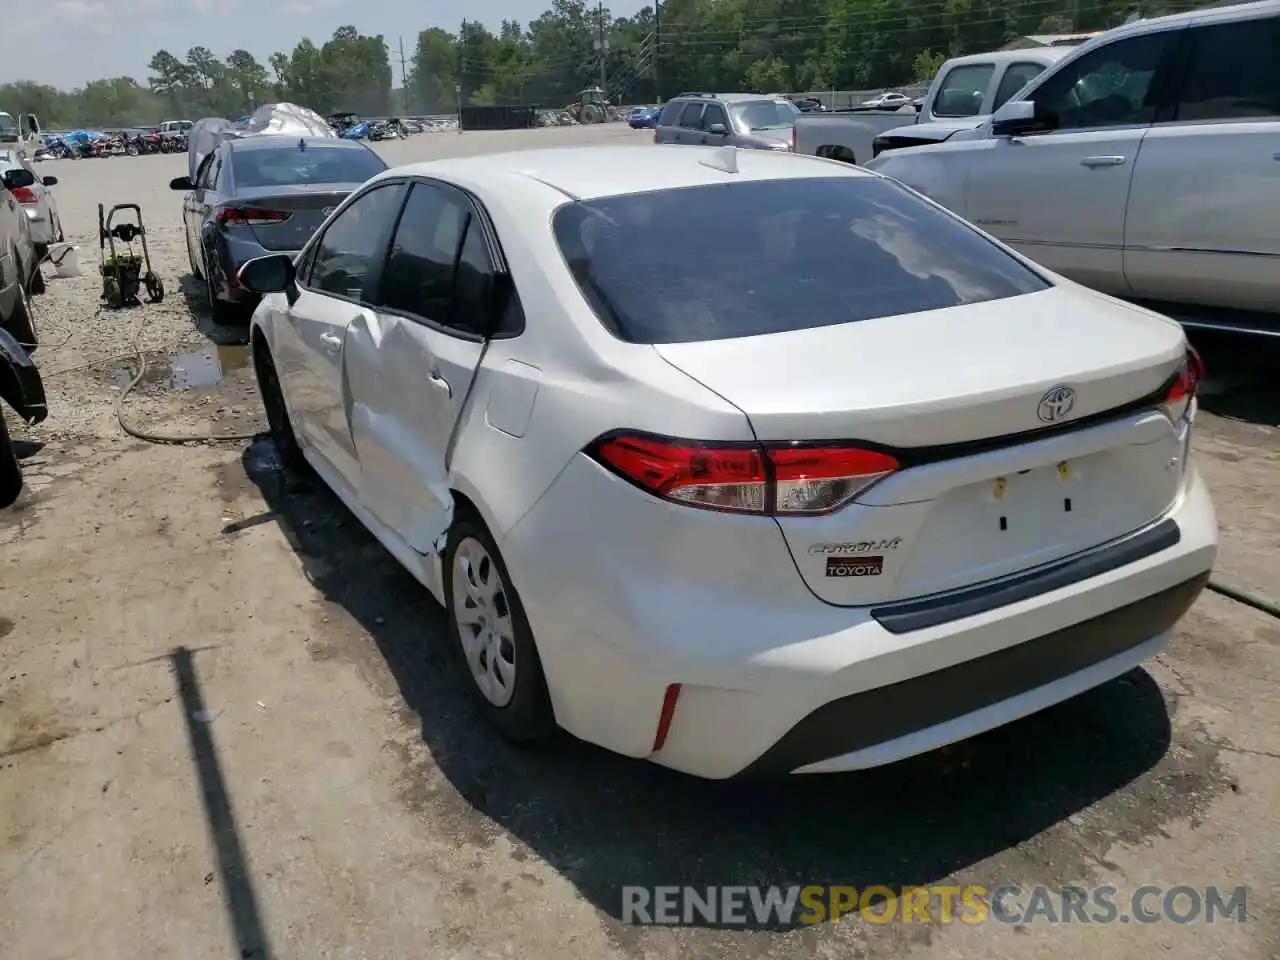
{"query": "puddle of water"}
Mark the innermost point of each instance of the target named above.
(189, 370)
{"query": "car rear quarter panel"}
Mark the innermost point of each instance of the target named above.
(577, 381)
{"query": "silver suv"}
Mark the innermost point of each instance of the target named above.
(719, 119)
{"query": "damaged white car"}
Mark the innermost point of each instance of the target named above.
(738, 461)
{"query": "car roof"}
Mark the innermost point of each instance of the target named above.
(1045, 55)
(729, 97)
(278, 141)
(585, 173)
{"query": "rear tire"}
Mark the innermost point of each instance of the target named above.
(492, 636)
(22, 322)
(278, 422)
(224, 314)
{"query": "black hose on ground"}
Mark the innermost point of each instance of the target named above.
(1249, 598)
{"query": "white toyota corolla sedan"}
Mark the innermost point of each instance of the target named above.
(742, 462)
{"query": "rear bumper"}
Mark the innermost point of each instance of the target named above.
(877, 726)
(774, 681)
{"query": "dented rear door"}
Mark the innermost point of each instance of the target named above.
(410, 363)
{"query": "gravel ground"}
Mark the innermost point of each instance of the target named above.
(230, 725)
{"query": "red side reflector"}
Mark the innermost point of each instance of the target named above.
(665, 718)
(24, 195)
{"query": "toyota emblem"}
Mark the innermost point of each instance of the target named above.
(1056, 404)
(328, 210)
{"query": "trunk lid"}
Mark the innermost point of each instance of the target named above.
(994, 478)
(306, 206)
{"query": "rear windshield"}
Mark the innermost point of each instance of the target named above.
(737, 260)
(275, 168)
(765, 114)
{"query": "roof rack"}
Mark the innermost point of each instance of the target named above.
(695, 93)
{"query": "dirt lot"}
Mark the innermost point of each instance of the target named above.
(229, 725)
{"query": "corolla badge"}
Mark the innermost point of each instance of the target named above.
(1056, 404)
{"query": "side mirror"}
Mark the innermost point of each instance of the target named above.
(50, 181)
(181, 183)
(1014, 118)
(32, 124)
(719, 129)
(17, 178)
(270, 274)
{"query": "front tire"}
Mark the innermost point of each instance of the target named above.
(10, 469)
(492, 635)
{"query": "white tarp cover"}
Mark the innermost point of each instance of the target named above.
(203, 139)
(269, 119)
(288, 118)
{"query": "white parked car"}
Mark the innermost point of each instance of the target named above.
(1144, 163)
(37, 200)
(739, 461)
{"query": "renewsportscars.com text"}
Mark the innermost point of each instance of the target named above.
(939, 904)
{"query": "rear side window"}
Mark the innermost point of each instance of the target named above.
(1234, 72)
(1015, 78)
(962, 90)
(254, 169)
(670, 112)
(738, 260)
(691, 116)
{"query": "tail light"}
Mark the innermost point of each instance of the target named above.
(793, 138)
(773, 479)
(1185, 384)
(250, 216)
(24, 195)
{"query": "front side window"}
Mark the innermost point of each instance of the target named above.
(1110, 87)
(1015, 78)
(770, 256)
(1234, 73)
(353, 244)
(962, 90)
(714, 114)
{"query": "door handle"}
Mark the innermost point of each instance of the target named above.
(332, 341)
(1103, 161)
(441, 382)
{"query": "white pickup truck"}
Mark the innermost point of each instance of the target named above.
(964, 93)
(21, 134)
(1145, 164)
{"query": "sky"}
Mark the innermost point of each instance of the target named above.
(66, 43)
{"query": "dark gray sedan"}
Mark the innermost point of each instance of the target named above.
(263, 194)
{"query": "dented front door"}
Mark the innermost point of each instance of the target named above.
(410, 363)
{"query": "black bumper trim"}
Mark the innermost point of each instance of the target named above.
(908, 615)
(886, 713)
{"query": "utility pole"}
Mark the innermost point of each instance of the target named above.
(657, 50)
(404, 82)
(604, 46)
